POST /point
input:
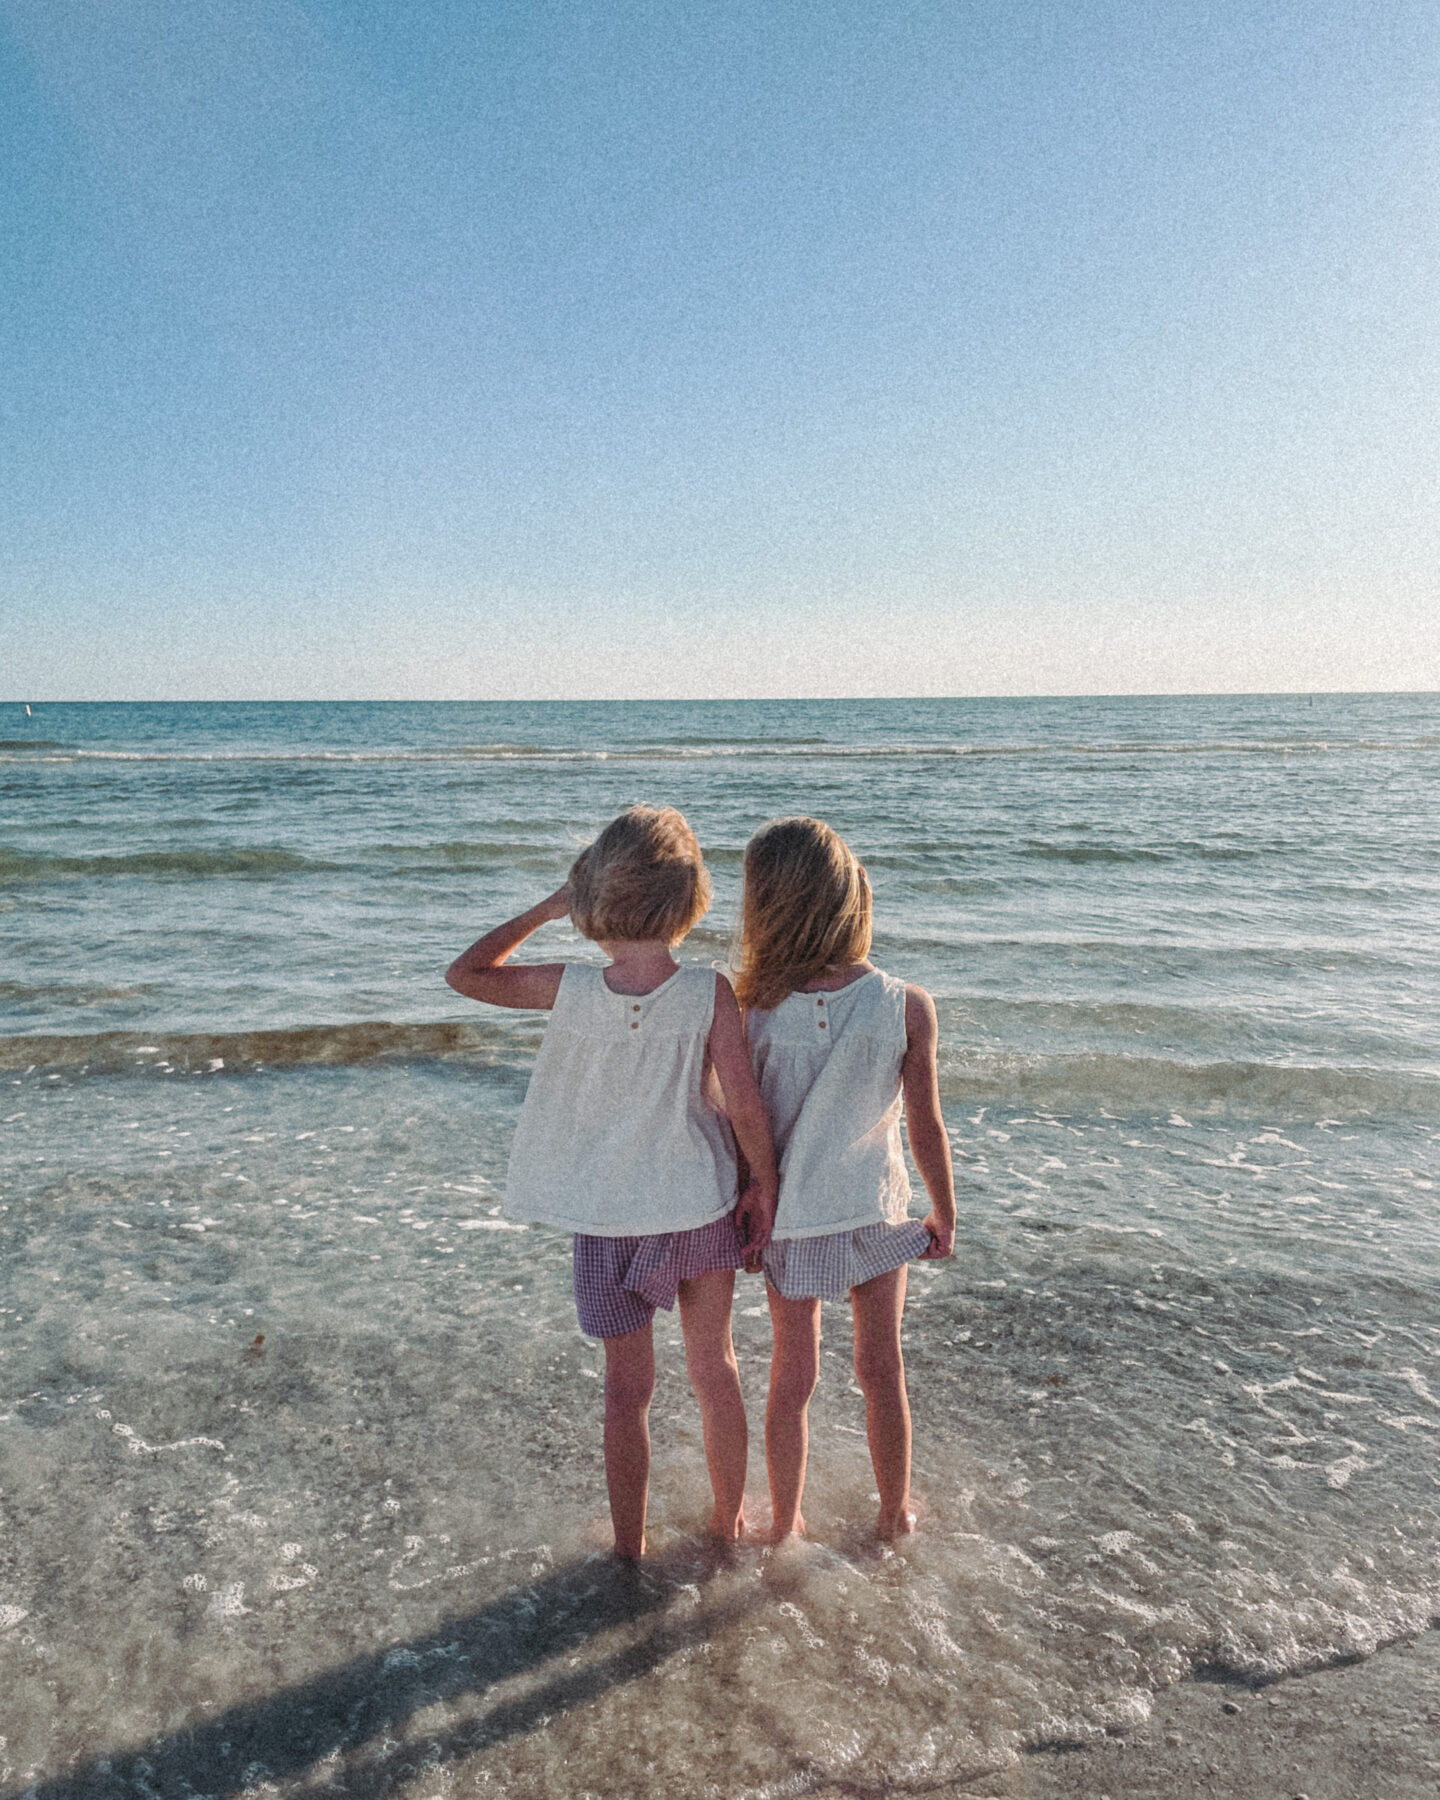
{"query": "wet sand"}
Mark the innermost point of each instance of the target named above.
(1359, 1731)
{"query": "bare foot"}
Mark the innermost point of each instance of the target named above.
(890, 1529)
(629, 1555)
(797, 1530)
(725, 1527)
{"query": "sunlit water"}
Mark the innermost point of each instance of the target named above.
(299, 1443)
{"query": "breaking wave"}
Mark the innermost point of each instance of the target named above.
(367, 1041)
(1146, 1083)
(242, 862)
(704, 750)
(1053, 1082)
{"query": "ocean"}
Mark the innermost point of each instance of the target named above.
(300, 1465)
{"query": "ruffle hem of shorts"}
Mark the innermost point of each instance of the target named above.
(826, 1268)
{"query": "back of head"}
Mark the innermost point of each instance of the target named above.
(807, 908)
(642, 880)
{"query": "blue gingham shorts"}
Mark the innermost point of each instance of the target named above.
(619, 1281)
(826, 1268)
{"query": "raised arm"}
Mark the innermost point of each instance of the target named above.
(929, 1141)
(478, 972)
(730, 1058)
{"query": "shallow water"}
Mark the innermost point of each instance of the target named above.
(299, 1444)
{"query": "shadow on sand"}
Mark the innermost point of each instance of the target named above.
(326, 1720)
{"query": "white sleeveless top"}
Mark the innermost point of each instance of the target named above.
(618, 1135)
(829, 1065)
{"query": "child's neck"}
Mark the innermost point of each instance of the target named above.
(637, 966)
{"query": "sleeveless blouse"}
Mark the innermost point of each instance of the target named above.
(829, 1067)
(619, 1136)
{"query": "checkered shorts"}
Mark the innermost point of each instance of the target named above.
(826, 1268)
(619, 1281)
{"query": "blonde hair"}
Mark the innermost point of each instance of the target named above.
(642, 879)
(807, 908)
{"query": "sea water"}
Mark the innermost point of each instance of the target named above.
(299, 1442)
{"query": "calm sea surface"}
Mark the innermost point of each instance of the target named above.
(299, 1443)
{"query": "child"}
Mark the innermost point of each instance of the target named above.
(618, 1140)
(838, 1048)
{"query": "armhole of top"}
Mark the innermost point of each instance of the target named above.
(901, 993)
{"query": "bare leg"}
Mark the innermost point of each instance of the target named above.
(715, 1376)
(794, 1370)
(880, 1369)
(629, 1383)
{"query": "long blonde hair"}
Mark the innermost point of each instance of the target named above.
(807, 908)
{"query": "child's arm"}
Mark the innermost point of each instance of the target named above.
(730, 1059)
(929, 1141)
(477, 971)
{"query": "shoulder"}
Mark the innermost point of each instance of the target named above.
(921, 1025)
(724, 1007)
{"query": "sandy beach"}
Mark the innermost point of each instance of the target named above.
(1358, 1731)
(1366, 1731)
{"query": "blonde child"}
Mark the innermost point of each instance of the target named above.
(619, 1142)
(840, 1050)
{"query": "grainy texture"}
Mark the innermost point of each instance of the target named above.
(1360, 1731)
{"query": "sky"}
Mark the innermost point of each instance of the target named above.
(522, 348)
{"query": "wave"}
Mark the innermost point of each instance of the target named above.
(461, 856)
(299, 1046)
(1089, 853)
(1055, 1083)
(70, 993)
(265, 862)
(240, 863)
(998, 1015)
(33, 744)
(254, 862)
(928, 869)
(1213, 957)
(1145, 1083)
(691, 750)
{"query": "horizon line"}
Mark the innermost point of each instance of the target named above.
(738, 699)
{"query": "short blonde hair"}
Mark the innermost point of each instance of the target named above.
(807, 907)
(642, 879)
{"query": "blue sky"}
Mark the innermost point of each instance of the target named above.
(436, 348)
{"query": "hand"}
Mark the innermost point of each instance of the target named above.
(556, 905)
(942, 1239)
(755, 1217)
